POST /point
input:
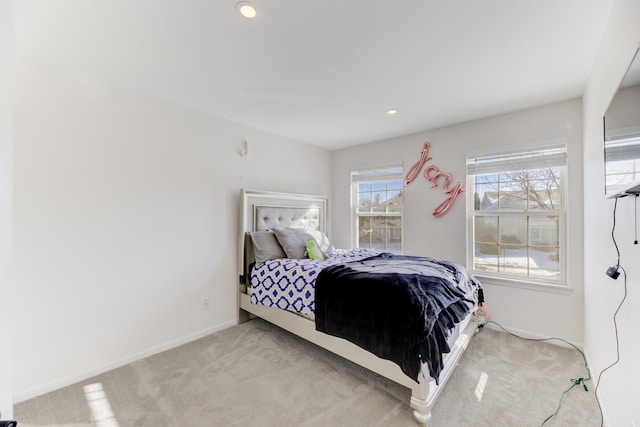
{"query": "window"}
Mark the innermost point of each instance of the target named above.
(516, 211)
(377, 209)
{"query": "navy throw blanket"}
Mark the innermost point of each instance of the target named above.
(398, 307)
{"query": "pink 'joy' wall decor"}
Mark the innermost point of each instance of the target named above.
(432, 173)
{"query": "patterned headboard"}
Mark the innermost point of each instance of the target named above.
(264, 210)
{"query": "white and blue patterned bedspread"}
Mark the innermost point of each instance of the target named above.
(289, 284)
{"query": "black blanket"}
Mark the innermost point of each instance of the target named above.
(397, 307)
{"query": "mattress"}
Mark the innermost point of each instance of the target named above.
(289, 284)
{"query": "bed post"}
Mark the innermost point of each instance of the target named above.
(245, 250)
(243, 316)
(420, 401)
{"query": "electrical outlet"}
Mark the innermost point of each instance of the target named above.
(205, 303)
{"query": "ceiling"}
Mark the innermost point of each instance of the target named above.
(325, 72)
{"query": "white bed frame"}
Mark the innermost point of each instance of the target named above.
(424, 393)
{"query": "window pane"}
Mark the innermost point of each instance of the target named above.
(364, 186)
(487, 178)
(486, 229)
(394, 185)
(363, 242)
(377, 186)
(378, 222)
(378, 238)
(513, 176)
(395, 239)
(379, 198)
(546, 262)
(513, 230)
(485, 257)
(544, 231)
(364, 231)
(514, 259)
(508, 185)
(394, 197)
(394, 204)
(512, 200)
(543, 195)
(486, 197)
(364, 223)
(394, 222)
(364, 199)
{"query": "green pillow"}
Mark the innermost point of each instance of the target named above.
(313, 251)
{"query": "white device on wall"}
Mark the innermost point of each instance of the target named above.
(626, 190)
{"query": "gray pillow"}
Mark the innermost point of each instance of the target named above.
(293, 241)
(266, 246)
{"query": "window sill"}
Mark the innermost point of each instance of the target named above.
(524, 284)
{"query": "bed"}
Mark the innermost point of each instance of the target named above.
(268, 289)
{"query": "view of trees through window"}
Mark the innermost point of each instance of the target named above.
(378, 209)
(516, 223)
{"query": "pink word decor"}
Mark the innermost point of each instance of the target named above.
(432, 173)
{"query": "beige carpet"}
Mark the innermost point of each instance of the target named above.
(258, 375)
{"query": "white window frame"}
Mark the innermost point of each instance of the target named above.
(374, 174)
(531, 156)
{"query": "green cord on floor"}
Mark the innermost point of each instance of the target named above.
(579, 381)
(575, 383)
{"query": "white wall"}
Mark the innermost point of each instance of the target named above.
(602, 295)
(125, 217)
(530, 311)
(6, 122)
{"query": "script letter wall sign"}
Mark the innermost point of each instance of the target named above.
(432, 173)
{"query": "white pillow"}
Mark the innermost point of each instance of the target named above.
(322, 240)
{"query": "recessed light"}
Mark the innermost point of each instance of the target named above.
(392, 111)
(246, 9)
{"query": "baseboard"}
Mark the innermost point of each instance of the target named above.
(594, 380)
(63, 382)
(535, 336)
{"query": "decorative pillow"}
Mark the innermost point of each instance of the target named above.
(266, 246)
(313, 251)
(293, 241)
(323, 241)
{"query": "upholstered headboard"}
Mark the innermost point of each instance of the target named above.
(264, 210)
(270, 217)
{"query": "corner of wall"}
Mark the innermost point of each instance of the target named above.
(6, 162)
